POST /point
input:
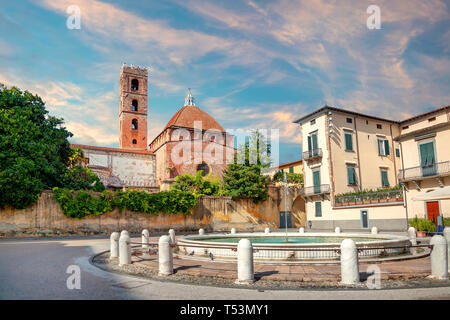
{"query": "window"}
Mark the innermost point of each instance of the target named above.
(291, 169)
(427, 159)
(397, 152)
(348, 141)
(313, 121)
(134, 85)
(134, 141)
(316, 181)
(351, 176)
(134, 105)
(313, 145)
(384, 178)
(134, 124)
(405, 127)
(204, 168)
(349, 120)
(379, 126)
(431, 119)
(383, 147)
(318, 209)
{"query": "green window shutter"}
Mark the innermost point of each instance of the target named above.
(318, 209)
(397, 152)
(309, 144)
(291, 169)
(384, 178)
(386, 147)
(348, 142)
(314, 141)
(316, 181)
(351, 175)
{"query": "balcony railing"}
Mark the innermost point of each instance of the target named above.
(423, 172)
(311, 154)
(316, 190)
(369, 198)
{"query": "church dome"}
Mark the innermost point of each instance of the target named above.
(186, 116)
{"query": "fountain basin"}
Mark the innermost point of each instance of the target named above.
(300, 247)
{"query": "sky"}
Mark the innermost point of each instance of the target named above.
(250, 64)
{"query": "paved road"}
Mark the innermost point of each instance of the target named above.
(36, 269)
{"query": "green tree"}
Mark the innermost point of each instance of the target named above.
(34, 150)
(255, 150)
(243, 181)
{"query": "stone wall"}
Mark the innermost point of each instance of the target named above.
(212, 213)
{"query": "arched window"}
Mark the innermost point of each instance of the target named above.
(134, 85)
(134, 141)
(134, 124)
(134, 105)
(204, 167)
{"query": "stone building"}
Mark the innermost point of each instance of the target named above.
(191, 141)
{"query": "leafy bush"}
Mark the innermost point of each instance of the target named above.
(290, 177)
(422, 224)
(80, 178)
(198, 185)
(245, 182)
(447, 222)
(78, 204)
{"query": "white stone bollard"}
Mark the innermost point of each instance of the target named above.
(412, 239)
(114, 245)
(233, 230)
(337, 230)
(447, 237)
(172, 236)
(124, 250)
(124, 232)
(165, 256)
(145, 238)
(267, 230)
(301, 230)
(245, 262)
(201, 232)
(439, 258)
(374, 230)
(349, 262)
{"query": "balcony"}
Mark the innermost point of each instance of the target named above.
(316, 190)
(312, 154)
(416, 174)
(369, 198)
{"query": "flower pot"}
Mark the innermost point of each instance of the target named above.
(358, 202)
(421, 234)
(374, 201)
(366, 202)
(383, 200)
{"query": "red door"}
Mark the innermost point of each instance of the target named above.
(433, 211)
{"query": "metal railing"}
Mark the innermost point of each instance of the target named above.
(423, 172)
(311, 154)
(369, 198)
(320, 189)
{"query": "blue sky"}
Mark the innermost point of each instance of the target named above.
(250, 64)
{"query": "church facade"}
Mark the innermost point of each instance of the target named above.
(191, 141)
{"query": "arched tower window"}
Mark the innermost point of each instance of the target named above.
(134, 141)
(134, 124)
(134, 85)
(204, 167)
(134, 105)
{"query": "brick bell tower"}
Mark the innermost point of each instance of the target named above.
(133, 107)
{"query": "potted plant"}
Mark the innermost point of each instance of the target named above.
(422, 226)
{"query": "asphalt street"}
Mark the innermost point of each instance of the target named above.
(37, 269)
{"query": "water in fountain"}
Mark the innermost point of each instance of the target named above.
(285, 205)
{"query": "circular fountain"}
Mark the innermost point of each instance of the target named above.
(299, 247)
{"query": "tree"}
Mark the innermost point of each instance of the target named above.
(256, 150)
(245, 182)
(34, 150)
